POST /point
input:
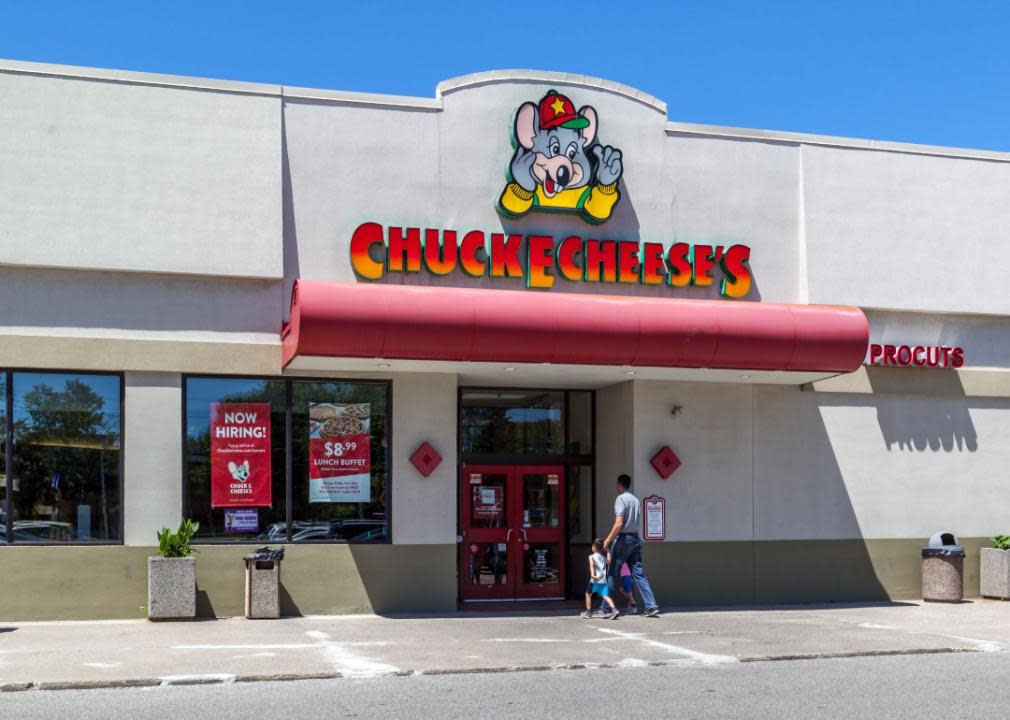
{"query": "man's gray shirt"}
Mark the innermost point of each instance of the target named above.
(628, 506)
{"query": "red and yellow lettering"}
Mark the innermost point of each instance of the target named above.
(365, 236)
(904, 355)
(473, 242)
(539, 261)
(918, 356)
(601, 261)
(889, 355)
(653, 266)
(946, 355)
(404, 250)
(440, 253)
(628, 268)
(680, 265)
(737, 281)
(876, 352)
(702, 263)
(569, 248)
(505, 255)
(933, 357)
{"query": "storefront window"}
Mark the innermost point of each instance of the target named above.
(580, 423)
(238, 485)
(65, 482)
(338, 448)
(3, 457)
(235, 458)
(512, 422)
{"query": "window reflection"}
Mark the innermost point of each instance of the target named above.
(338, 456)
(516, 422)
(65, 484)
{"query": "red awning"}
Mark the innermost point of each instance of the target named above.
(461, 324)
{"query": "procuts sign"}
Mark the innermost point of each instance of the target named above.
(558, 165)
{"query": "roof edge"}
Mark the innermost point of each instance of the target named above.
(837, 141)
(492, 77)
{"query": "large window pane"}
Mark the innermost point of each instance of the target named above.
(580, 423)
(248, 504)
(339, 473)
(65, 484)
(3, 457)
(512, 422)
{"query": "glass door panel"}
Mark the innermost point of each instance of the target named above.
(488, 509)
(542, 528)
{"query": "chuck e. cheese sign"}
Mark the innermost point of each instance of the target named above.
(558, 165)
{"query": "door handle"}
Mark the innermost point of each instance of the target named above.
(525, 537)
(508, 535)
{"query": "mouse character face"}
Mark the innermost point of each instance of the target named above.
(557, 137)
(558, 163)
(239, 473)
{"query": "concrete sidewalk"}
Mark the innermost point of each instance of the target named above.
(58, 655)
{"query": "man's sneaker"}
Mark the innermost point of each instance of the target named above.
(632, 609)
(615, 614)
(587, 615)
(652, 612)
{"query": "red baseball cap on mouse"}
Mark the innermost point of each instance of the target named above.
(558, 111)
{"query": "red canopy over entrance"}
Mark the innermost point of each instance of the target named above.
(462, 324)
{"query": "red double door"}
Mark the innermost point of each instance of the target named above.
(513, 530)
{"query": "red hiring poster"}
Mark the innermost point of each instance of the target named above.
(340, 452)
(240, 454)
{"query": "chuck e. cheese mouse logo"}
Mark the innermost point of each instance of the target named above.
(559, 164)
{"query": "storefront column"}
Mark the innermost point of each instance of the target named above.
(424, 508)
(615, 446)
(152, 443)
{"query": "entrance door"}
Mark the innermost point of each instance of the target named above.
(513, 530)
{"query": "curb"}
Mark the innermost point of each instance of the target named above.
(190, 680)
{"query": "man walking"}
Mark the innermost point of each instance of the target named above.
(624, 544)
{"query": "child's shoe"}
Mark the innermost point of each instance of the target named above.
(587, 615)
(615, 613)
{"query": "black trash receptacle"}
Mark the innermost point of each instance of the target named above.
(263, 583)
(943, 569)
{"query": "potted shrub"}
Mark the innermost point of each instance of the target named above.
(995, 570)
(171, 577)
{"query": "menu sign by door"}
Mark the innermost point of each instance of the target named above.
(655, 518)
(240, 455)
(340, 452)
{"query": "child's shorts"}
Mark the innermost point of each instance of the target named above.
(600, 589)
(626, 583)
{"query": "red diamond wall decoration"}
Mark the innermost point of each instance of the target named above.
(665, 462)
(426, 459)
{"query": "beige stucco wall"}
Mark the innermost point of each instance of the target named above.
(424, 410)
(152, 458)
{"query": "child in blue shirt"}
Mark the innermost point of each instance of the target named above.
(598, 582)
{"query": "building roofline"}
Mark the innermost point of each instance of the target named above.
(129, 77)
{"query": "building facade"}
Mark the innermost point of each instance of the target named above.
(415, 340)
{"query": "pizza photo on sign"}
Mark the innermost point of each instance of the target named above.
(340, 452)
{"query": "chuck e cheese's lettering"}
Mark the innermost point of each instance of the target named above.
(542, 260)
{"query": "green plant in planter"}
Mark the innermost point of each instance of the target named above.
(176, 544)
(1001, 542)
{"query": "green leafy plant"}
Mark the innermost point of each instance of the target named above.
(176, 544)
(1001, 542)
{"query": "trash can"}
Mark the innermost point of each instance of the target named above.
(943, 569)
(263, 583)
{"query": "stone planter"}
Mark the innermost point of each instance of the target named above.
(171, 588)
(995, 573)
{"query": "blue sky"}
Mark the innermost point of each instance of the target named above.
(926, 72)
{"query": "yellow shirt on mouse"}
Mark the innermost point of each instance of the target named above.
(597, 201)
